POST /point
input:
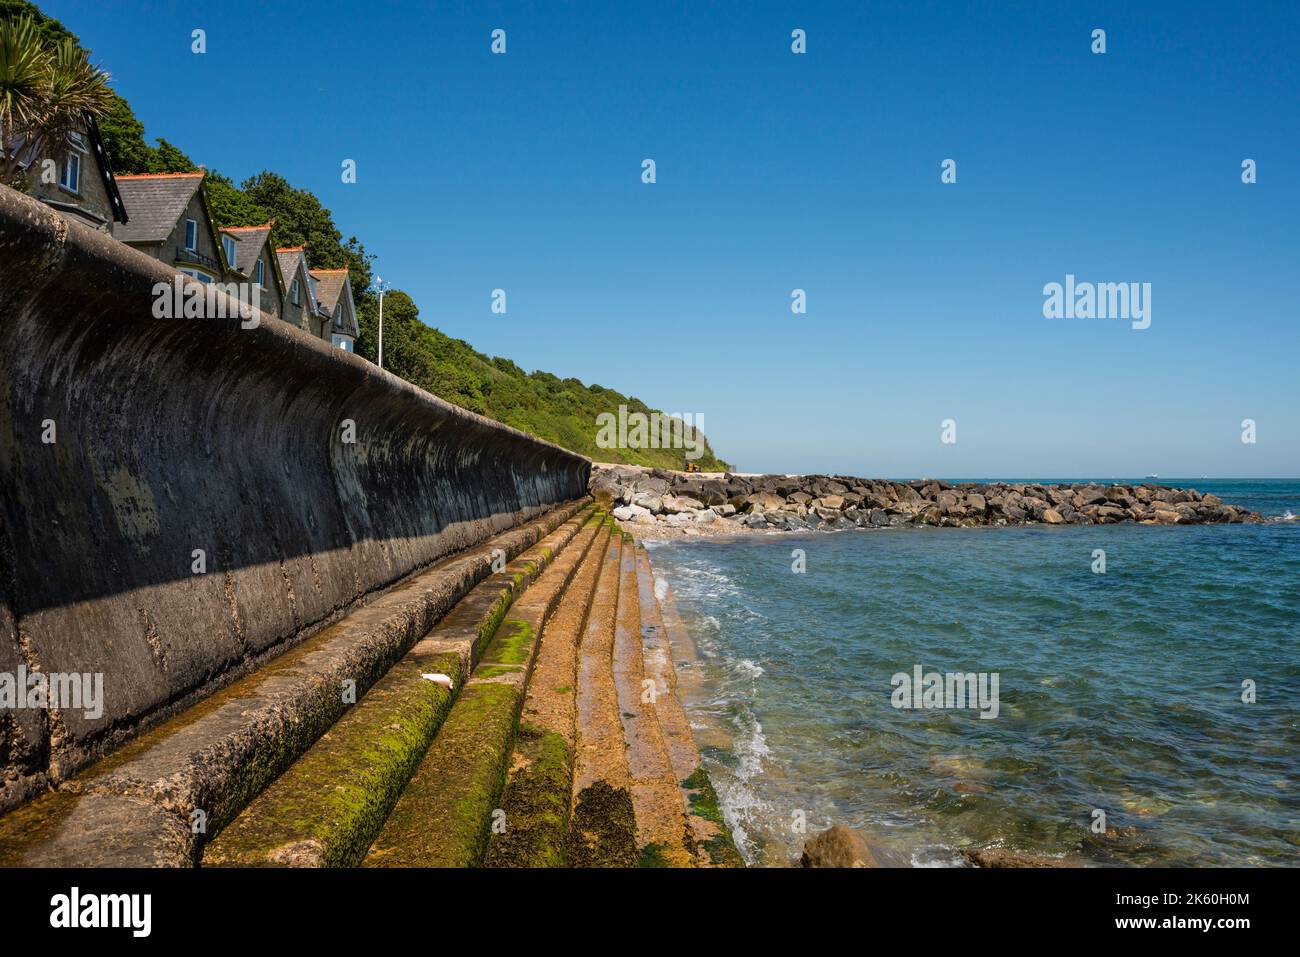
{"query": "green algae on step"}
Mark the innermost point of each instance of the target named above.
(444, 816)
(217, 756)
(540, 783)
(603, 829)
(328, 806)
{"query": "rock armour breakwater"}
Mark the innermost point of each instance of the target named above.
(735, 503)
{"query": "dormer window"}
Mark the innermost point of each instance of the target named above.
(191, 235)
(295, 293)
(338, 317)
(70, 173)
(228, 244)
(259, 272)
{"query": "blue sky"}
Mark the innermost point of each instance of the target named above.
(819, 171)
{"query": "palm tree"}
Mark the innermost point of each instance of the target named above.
(46, 94)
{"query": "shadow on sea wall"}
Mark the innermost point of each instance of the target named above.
(181, 496)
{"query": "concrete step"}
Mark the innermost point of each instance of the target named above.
(709, 839)
(328, 806)
(539, 786)
(662, 835)
(603, 824)
(445, 814)
(154, 802)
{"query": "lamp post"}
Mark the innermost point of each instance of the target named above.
(379, 286)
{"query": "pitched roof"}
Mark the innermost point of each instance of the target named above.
(329, 283)
(154, 202)
(288, 257)
(250, 240)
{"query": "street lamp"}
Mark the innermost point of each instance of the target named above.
(381, 287)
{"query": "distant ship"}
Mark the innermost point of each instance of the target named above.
(1153, 476)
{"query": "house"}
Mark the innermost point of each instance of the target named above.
(81, 185)
(170, 220)
(299, 303)
(256, 261)
(334, 294)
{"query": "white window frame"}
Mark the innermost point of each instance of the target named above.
(71, 171)
(343, 342)
(259, 271)
(228, 245)
(191, 226)
(295, 293)
(195, 274)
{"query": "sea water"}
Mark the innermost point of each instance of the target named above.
(1148, 713)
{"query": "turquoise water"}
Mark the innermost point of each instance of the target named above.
(1119, 691)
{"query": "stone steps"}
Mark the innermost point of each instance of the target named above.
(445, 814)
(620, 750)
(326, 809)
(156, 801)
(560, 743)
(540, 783)
(603, 823)
(661, 633)
(662, 835)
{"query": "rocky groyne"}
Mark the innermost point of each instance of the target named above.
(656, 500)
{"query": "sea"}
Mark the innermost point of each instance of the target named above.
(1147, 695)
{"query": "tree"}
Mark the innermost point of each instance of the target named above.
(123, 137)
(46, 93)
(231, 206)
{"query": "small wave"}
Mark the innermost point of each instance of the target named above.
(742, 808)
(748, 669)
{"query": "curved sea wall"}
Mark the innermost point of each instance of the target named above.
(181, 497)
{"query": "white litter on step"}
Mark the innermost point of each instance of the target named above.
(439, 680)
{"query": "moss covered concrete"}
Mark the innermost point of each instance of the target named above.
(604, 828)
(443, 817)
(536, 803)
(326, 809)
(715, 840)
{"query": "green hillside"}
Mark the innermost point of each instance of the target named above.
(563, 411)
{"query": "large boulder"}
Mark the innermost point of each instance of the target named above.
(838, 847)
(654, 501)
(681, 503)
(762, 502)
(1052, 517)
(707, 491)
(628, 513)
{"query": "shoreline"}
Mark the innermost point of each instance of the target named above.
(656, 504)
(706, 677)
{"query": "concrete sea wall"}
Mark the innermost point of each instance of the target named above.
(130, 444)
